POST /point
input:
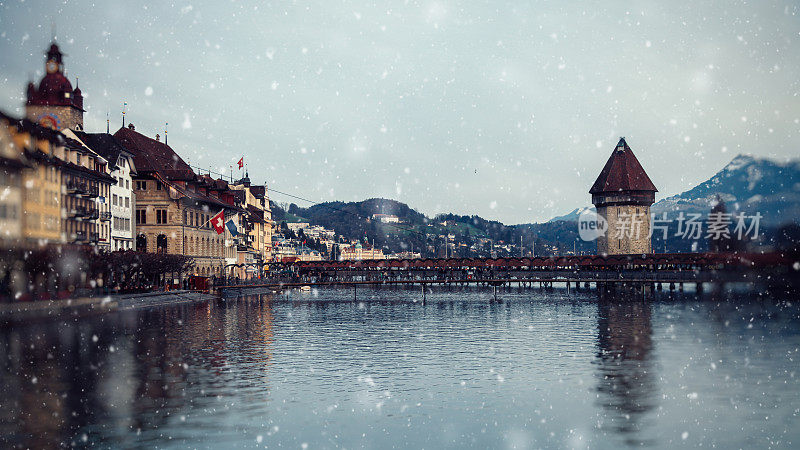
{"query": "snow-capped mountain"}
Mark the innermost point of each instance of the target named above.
(571, 216)
(747, 184)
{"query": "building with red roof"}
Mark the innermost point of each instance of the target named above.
(174, 206)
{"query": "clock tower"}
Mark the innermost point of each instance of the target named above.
(54, 103)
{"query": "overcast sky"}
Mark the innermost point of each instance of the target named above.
(503, 109)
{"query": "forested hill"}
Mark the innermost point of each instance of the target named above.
(351, 220)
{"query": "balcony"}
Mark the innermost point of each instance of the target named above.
(94, 238)
(91, 192)
(76, 188)
(105, 216)
(91, 215)
(77, 213)
(80, 236)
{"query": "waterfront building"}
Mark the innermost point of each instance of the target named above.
(358, 252)
(306, 254)
(12, 163)
(60, 187)
(284, 250)
(174, 206)
(88, 187)
(120, 205)
(254, 246)
(622, 195)
(41, 183)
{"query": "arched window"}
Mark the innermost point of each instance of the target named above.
(161, 243)
(141, 243)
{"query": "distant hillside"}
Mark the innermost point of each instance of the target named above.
(352, 221)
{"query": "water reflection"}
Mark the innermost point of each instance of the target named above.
(626, 376)
(539, 369)
(128, 372)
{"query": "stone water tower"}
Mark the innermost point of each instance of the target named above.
(622, 195)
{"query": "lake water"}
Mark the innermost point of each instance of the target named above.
(318, 370)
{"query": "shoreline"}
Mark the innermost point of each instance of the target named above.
(11, 313)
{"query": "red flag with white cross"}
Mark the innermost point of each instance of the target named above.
(218, 222)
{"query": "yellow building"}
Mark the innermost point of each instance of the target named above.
(12, 163)
(360, 252)
(40, 182)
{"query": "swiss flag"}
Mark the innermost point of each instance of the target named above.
(241, 162)
(218, 222)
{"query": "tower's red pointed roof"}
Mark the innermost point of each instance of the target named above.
(622, 172)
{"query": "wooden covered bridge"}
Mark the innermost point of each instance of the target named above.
(653, 270)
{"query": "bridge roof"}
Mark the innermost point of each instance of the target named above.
(588, 261)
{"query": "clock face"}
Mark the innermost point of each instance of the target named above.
(52, 66)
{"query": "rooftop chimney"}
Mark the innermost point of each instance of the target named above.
(131, 127)
(158, 137)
